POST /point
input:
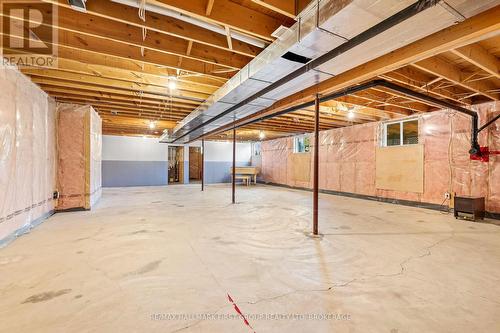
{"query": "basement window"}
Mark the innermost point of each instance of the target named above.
(301, 144)
(400, 133)
(256, 148)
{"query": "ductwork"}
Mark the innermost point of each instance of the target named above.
(337, 36)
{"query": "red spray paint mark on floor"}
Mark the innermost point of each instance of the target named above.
(237, 309)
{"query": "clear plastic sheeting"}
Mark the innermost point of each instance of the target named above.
(27, 154)
(347, 159)
(79, 146)
(95, 158)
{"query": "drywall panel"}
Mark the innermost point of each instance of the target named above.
(400, 168)
(223, 151)
(128, 148)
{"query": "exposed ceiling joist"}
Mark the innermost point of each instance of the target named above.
(210, 6)
(227, 13)
(423, 82)
(284, 7)
(105, 82)
(159, 23)
(477, 55)
(445, 70)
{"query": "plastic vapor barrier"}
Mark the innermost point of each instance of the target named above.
(79, 146)
(348, 159)
(27, 154)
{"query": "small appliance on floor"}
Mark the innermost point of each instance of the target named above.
(469, 208)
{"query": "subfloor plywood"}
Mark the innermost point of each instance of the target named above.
(301, 166)
(400, 168)
(144, 254)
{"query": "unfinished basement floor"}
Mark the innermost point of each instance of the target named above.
(144, 255)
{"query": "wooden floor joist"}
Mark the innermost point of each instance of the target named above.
(121, 64)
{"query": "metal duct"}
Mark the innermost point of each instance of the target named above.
(325, 33)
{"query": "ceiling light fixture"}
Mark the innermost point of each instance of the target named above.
(152, 124)
(351, 115)
(262, 135)
(342, 107)
(172, 83)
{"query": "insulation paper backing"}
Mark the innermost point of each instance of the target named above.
(347, 160)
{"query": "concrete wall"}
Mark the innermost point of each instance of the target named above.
(137, 161)
(348, 159)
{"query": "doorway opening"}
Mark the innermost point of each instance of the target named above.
(195, 167)
(175, 165)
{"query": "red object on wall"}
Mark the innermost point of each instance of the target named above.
(485, 154)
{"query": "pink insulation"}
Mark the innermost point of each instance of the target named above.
(79, 144)
(347, 159)
(27, 154)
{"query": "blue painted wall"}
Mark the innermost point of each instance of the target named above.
(135, 161)
(219, 171)
(134, 173)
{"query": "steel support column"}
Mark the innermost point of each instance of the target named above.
(316, 166)
(202, 164)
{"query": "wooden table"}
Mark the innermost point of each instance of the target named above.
(249, 171)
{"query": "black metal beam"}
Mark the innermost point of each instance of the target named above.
(366, 35)
(489, 123)
(394, 87)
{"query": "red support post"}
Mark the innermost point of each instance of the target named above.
(316, 166)
(202, 164)
(234, 166)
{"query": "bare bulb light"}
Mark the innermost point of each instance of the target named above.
(172, 83)
(262, 135)
(351, 115)
(152, 124)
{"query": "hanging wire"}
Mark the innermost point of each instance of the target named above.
(142, 16)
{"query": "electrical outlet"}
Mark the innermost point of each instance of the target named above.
(447, 195)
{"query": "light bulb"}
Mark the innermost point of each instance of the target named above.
(152, 124)
(350, 115)
(262, 135)
(172, 85)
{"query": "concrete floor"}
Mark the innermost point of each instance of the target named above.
(145, 253)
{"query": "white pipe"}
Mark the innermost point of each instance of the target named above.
(209, 26)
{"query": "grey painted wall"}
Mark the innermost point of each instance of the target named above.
(134, 173)
(219, 171)
(135, 161)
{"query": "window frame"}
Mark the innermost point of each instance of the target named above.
(254, 150)
(295, 144)
(401, 132)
